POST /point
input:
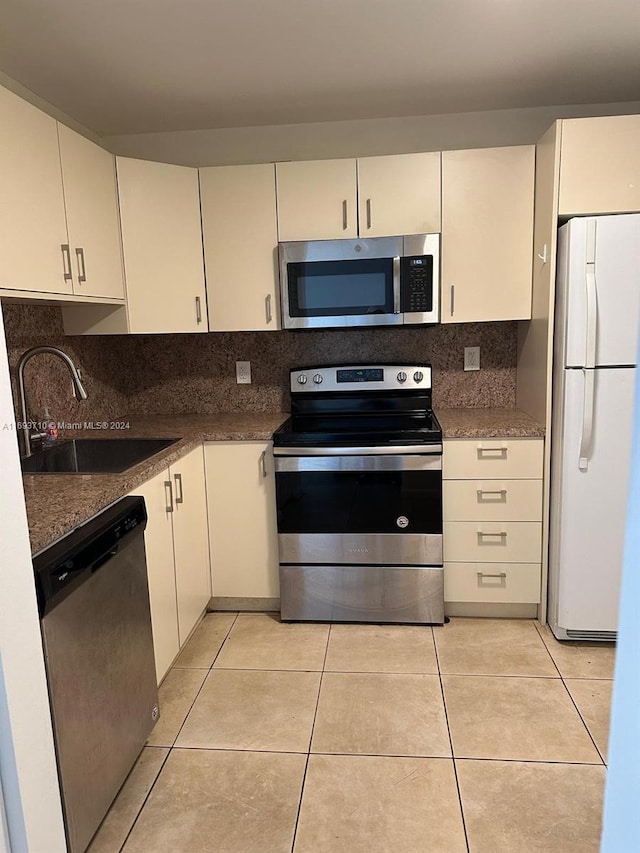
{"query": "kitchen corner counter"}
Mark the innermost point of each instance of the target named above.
(488, 423)
(58, 503)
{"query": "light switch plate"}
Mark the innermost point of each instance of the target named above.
(472, 358)
(243, 372)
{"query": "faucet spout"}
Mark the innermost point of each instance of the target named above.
(81, 392)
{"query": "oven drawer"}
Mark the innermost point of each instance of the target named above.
(492, 542)
(492, 500)
(515, 458)
(509, 583)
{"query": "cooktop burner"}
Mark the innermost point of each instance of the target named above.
(360, 405)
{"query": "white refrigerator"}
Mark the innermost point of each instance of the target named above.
(595, 353)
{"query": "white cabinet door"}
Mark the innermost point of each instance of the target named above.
(316, 200)
(399, 194)
(158, 541)
(89, 179)
(487, 234)
(162, 244)
(242, 519)
(240, 236)
(191, 540)
(32, 216)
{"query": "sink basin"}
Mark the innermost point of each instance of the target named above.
(93, 455)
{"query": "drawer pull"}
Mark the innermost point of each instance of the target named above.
(488, 493)
(502, 535)
(501, 576)
(492, 452)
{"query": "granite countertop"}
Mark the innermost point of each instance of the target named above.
(58, 503)
(488, 423)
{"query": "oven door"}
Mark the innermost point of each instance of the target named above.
(360, 509)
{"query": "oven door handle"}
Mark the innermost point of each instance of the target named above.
(289, 464)
(386, 450)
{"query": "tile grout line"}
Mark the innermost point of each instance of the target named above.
(313, 725)
(453, 757)
(144, 802)
(170, 748)
(571, 699)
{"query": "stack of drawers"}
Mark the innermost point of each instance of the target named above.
(492, 512)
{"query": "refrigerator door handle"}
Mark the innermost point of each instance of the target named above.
(587, 419)
(592, 296)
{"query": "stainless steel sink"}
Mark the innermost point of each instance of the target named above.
(93, 455)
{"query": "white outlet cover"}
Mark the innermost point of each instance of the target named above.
(472, 358)
(243, 372)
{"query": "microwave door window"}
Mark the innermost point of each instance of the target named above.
(339, 288)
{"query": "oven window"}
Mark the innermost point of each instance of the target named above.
(359, 502)
(338, 288)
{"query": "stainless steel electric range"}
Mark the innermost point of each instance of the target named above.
(359, 496)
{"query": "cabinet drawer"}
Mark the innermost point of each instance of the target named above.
(492, 500)
(492, 542)
(515, 583)
(492, 458)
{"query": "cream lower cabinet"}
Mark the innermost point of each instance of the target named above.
(487, 234)
(242, 519)
(177, 548)
(492, 513)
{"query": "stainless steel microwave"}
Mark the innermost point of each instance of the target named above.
(379, 281)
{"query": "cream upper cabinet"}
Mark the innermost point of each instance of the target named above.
(242, 519)
(162, 246)
(399, 194)
(89, 180)
(600, 165)
(316, 200)
(487, 234)
(32, 215)
(240, 237)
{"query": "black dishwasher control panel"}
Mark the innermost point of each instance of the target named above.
(72, 560)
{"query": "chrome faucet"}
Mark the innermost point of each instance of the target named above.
(75, 377)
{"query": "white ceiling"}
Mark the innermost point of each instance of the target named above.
(133, 66)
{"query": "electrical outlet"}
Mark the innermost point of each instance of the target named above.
(472, 358)
(243, 372)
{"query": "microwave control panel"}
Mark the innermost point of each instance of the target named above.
(416, 283)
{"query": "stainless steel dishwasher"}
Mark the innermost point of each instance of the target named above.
(96, 631)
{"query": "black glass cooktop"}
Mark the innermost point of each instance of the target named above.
(361, 431)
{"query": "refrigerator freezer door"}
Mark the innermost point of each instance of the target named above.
(613, 244)
(588, 507)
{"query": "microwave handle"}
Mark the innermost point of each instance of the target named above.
(396, 285)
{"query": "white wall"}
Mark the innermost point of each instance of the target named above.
(27, 760)
(367, 137)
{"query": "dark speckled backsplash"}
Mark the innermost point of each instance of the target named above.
(151, 374)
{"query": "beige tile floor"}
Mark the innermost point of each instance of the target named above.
(480, 735)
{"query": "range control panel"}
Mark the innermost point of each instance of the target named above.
(362, 377)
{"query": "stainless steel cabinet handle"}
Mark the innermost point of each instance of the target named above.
(267, 307)
(82, 272)
(483, 575)
(198, 310)
(492, 452)
(453, 298)
(263, 462)
(66, 262)
(484, 493)
(368, 213)
(345, 221)
(179, 492)
(169, 495)
(502, 535)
